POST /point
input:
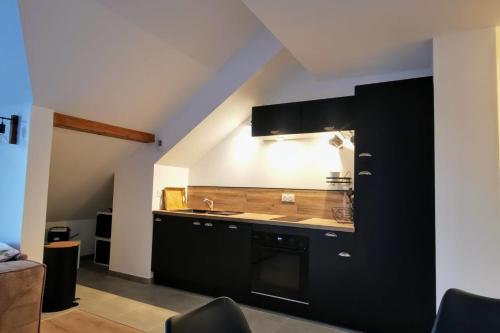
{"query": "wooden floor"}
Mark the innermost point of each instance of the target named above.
(78, 321)
(136, 316)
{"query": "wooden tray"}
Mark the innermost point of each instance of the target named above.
(174, 198)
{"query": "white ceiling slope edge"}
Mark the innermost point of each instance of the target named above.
(235, 72)
(359, 37)
(120, 62)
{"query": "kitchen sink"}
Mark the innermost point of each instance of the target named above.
(223, 212)
(211, 212)
(189, 210)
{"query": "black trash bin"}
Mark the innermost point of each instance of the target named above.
(61, 259)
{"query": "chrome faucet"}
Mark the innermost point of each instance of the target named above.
(209, 202)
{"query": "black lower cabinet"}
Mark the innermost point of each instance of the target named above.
(233, 260)
(201, 255)
(333, 271)
(171, 250)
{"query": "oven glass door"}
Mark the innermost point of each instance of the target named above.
(280, 273)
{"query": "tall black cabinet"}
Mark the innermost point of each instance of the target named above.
(394, 205)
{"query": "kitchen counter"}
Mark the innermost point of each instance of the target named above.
(311, 223)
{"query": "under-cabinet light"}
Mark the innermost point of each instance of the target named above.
(336, 141)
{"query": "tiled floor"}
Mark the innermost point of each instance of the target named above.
(145, 307)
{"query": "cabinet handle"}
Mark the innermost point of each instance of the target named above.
(157, 219)
(209, 225)
(364, 173)
(274, 132)
(344, 254)
(232, 226)
(331, 234)
(196, 223)
(365, 155)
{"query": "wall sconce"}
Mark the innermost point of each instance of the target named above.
(14, 124)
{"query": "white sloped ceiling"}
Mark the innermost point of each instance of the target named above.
(365, 37)
(124, 62)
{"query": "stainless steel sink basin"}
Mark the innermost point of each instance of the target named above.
(211, 212)
(197, 211)
(223, 212)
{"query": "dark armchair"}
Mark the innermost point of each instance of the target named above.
(461, 312)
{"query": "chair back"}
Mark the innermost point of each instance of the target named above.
(462, 312)
(219, 316)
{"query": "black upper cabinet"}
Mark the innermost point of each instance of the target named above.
(276, 119)
(328, 114)
(304, 117)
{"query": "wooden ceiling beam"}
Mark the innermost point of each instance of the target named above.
(94, 127)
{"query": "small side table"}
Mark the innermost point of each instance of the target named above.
(61, 259)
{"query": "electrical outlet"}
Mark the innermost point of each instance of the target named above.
(288, 197)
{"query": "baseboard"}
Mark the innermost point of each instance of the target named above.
(131, 277)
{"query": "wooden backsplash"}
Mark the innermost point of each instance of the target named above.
(309, 203)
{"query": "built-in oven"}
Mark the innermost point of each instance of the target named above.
(280, 266)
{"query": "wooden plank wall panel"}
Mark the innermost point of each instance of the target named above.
(308, 203)
(94, 127)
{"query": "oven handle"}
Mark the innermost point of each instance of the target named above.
(344, 254)
(280, 249)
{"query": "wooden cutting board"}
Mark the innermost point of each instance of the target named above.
(174, 198)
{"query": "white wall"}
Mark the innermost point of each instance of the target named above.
(13, 161)
(498, 87)
(37, 183)
(241, 160)
(81, 173)
(132, 232)
(467, 163)
(167, 176)
(15, 99)
(85, 230)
